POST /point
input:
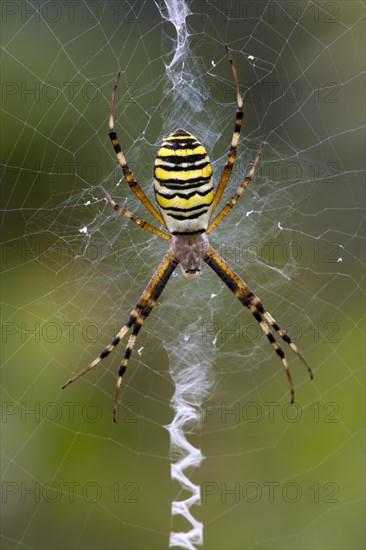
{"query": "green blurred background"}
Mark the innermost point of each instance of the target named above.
(274, 476)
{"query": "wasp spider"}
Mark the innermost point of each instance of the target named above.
(186, 198)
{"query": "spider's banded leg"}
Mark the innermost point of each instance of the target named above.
(128, 351)
(265, 314)
(249, 300)
(265, 329)
(284, 337)
(225, 273)
(134, 218)
(235, 139)
(122, 161)
(228, 206)
(165, 265)
(145, 312)
(273, 323)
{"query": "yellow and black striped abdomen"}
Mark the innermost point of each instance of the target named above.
(183, 184)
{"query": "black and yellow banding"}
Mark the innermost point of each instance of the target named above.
(228, 206)
(255, 306)
(159, 280)
(235, 139)
(122, 160)
(183, 184)
(156, 284)
(271, 321)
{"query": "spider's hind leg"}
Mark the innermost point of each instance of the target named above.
(153, 290)
(128, 351)
(107, 350)
(273, 323)
(161, 279)
(255, 306)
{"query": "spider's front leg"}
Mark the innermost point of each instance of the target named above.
(122, 160)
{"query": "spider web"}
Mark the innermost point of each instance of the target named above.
(274, 475)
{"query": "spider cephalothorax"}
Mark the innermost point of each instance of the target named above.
(190, 252)
(184, 191)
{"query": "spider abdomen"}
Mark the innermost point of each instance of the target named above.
(183, 184)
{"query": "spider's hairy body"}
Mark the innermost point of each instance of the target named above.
(190, 252)
(184, 191)
(183, 184)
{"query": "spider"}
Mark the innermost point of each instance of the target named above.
(186, 199)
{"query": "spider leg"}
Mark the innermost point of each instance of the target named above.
(235, 139)
(134, 218)
(145, 312)
(123, 163)
(228, 206)
(128, 351)
(280, 331)
(255, 306)
(168, 265)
